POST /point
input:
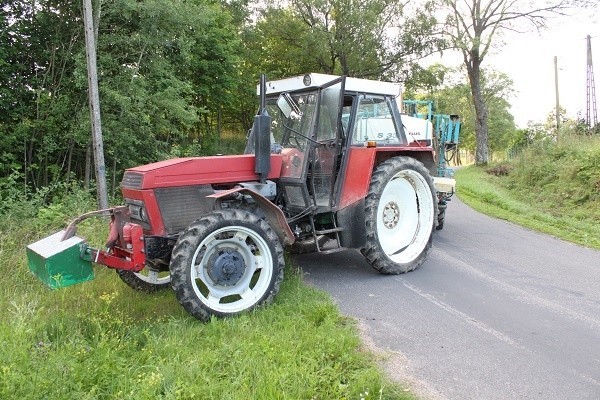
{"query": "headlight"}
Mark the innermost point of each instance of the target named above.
(137, 210)
(306, 80)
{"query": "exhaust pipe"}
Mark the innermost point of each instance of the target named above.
(261, 132)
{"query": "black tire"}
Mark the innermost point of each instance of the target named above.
(400, 213)
(441, 215)
(227, 262)
(146, 280)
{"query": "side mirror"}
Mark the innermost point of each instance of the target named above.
(288, 106)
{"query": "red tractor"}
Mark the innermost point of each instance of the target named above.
(327, 167)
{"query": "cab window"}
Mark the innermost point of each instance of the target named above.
(374, 122)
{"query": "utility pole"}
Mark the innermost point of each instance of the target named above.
(94, 100)
(557, 102)
(591, 116)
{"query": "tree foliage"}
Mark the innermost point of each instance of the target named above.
(369, 39)
(166, 69)
(451, 94)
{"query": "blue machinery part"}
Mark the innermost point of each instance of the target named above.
(446, 128)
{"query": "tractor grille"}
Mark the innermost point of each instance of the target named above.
(180, 206)
(132, 180)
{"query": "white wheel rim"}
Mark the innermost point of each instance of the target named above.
(255, 278)
(153, 277)
(405, 216)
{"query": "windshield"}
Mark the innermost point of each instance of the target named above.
(374, 122)
(293, 132)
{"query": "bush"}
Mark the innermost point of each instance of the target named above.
(502, 169)
(565, 174)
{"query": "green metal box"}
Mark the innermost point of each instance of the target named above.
(58, 263)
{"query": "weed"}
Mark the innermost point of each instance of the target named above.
(554, 189)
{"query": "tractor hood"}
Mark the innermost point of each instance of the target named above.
(197, 171)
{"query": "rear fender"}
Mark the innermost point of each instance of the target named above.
(362, 161)
(273, 213)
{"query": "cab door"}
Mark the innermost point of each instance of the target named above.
(326, 148)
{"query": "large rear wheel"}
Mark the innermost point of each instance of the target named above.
(227, 262)
(400, 212)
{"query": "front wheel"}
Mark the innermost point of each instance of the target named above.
(227, 262)
(400, 212)
(147, 280)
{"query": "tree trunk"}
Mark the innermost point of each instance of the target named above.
(25, 168)
(70, 159)
(114, 175)
(219, 121)
(481, 112)
(29, 158)
(45, 179)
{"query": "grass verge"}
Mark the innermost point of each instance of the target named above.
(491, 195)
(103, 340)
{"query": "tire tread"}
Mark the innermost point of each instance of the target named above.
(372, 251)
(191, 238)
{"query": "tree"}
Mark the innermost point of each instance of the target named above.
(369, 39)
(473, 26)
(39, 44)
(166, 69)
(451, 94)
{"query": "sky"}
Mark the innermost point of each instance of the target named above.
(528, 59)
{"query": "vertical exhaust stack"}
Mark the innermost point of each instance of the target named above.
(261, 131)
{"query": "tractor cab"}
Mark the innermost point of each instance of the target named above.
(306, 130)
(316, 122)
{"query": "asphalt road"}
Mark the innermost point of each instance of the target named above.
(496, 312)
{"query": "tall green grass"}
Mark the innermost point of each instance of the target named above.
(553, 188)
(103, 340)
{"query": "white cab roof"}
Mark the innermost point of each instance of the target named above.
(352, 84)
